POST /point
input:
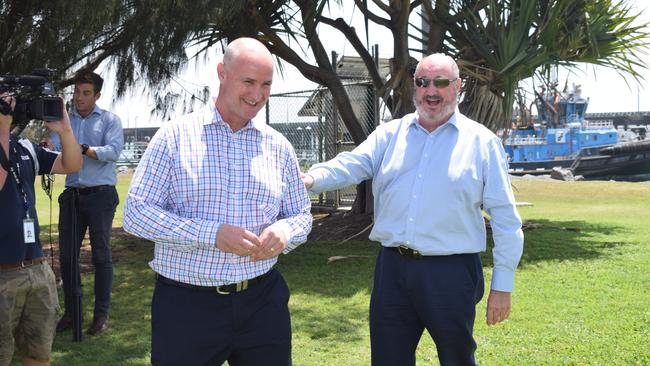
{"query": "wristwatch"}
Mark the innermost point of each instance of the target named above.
(84, 149)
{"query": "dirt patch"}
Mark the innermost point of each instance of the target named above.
(51, 252)
(341, 226)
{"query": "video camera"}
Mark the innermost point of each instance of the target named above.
(35, 97)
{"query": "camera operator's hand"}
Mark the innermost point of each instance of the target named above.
(5, 125)
(6, 119)
(61, 126)
(70, 159)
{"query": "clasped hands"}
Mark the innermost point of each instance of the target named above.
(234, 239)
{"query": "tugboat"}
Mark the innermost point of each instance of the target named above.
(563, 138)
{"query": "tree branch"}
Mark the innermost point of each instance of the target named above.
(415, 4)
(381, 6)
(372, 16)
(350, 34)
(352, 37)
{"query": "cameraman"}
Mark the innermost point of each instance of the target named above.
(28, 296)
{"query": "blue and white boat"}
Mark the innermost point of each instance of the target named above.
(563, 138)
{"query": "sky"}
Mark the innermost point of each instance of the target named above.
(607, 90)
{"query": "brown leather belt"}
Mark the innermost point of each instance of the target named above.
(23, 264)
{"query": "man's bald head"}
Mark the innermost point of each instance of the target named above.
(243, 48)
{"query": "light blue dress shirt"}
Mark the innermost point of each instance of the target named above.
(102, 131)
(429, 189)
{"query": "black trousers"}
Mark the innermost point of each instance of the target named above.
(436, 293)
(80, 212)
(193, 327)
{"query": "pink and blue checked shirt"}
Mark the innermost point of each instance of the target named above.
(198, 174)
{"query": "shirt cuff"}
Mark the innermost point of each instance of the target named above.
(317, 178)
(208, 232)
(503, 280)
(100, 153)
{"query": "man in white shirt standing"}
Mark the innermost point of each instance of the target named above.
(432, 172)
(220, 194)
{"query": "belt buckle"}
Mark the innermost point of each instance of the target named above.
(220, 292)
(240, 286)
(408, 252)
(402, 250)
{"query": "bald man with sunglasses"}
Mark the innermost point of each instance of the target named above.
(433, 171)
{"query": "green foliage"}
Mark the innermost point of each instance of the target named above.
(503, 42)
(144, 40)
(53, 33)
(580, 299)
(499, 43)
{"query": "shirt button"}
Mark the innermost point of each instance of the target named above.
(407, 242)
(415, 196)
(411, 219)
(419, 175)
(426, 155)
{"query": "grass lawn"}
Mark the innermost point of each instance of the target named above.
(582, 289)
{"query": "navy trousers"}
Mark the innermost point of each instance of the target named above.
(193, 327)
(78, 213)
(436, 293)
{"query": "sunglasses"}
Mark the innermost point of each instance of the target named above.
(438, 83)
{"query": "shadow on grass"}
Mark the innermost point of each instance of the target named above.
(319, 284)
(308, 271)
(565, 241)
(127, 341)
(315, 284)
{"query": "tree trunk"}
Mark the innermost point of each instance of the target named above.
(364, 201)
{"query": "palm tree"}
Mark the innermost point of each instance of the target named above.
(501, 43)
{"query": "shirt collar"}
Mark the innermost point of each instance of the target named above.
(454, 120)
(215, 117)
(96, 110)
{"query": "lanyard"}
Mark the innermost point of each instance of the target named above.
(15, 172)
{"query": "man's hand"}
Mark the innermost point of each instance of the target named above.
(6, 119)
(307, 180)
(233, 239)
(273, 243)
(70, 159)
(498, 307)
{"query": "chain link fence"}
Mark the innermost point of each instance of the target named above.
(310, 121)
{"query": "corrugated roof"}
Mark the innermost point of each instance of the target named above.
(352, 67)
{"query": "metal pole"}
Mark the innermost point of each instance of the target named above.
(75, 275)
(638, 100)
(375, 97)
(268, 112)
(335, 131)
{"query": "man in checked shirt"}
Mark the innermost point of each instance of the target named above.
(221, 197)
